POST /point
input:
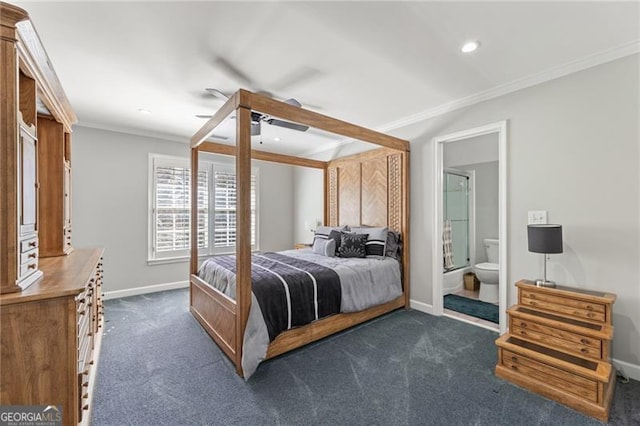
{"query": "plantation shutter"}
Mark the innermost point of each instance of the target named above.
(172, 208)
(225, 208)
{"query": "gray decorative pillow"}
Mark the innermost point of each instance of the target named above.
(353, 245)
(377, 241)
(394, 245)
(337, 237)
(324, 247)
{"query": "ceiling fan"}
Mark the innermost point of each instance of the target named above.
(257, 118)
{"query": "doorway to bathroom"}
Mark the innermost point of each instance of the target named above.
(469, 227)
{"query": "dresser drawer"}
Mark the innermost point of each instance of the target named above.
(28, 256)
(564, 301)
(29, 267)
(560, 379)
(28, 244)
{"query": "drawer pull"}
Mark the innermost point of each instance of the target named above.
(590, 315)
(589, 308)
(86, 407)
(584, 341)
(522, 332)
(532, 303)
(32, 266)
(85, 396)
(532, 296)
(32, 256)
(91, 362)
(584, 350)
(514, 358)
(523, 325)
(85, 384)
(514, 367)
(32, 244)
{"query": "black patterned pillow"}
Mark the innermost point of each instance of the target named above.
(353, 245)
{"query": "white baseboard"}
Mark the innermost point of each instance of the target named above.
(630, 370)
(144, 290)
(420, 306)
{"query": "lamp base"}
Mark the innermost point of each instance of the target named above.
(545, 283)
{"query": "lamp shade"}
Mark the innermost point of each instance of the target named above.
(545, 238)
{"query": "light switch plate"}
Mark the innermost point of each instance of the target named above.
(537, 217)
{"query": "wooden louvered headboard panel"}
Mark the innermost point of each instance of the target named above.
(366, 189)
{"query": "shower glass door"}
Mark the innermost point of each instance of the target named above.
(456, 213)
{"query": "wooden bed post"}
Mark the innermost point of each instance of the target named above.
(405, 229)
(193, 265)
(243, 227)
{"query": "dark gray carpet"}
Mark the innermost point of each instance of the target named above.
(159, 367)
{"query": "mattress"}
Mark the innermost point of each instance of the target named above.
(364, 282)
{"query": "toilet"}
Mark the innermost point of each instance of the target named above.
(488, 272)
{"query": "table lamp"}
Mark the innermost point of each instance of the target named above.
(545, 239)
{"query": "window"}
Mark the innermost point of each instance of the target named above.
(170, 205)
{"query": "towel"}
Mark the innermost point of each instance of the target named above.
(447, 245)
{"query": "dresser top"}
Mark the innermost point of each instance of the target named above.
(574, 292)
(62, 276)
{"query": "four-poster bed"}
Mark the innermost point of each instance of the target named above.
(368, 189)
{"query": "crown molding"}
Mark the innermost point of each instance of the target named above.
(621, 51)
(609, 55)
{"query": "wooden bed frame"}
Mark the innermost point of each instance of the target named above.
(371, 188)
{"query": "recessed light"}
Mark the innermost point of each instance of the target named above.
(276, 139)
(144, 111)
(470, 46)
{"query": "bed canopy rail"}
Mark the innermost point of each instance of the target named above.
(225, 319)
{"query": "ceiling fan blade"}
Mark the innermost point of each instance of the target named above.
(234, 72)
(216, 93)
(293, 102)
(287, 124)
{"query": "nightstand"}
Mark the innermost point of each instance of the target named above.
(299, 246)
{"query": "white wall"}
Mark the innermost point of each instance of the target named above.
(573, 149)
(308, 193)
(486, 184)
(110, 205)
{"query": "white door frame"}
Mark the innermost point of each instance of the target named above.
(500, 128)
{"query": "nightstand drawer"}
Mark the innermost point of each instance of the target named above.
(570, 346)
(564, 301)
(568, 382)
(562, 308)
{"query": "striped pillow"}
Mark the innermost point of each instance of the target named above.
(329, 232)
(376, 242)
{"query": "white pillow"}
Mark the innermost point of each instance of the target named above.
(324, 247)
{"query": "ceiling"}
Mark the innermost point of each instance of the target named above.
(369, 63)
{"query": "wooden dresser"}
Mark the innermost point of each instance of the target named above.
(51, 334)
(559, 345)
(35, 154)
